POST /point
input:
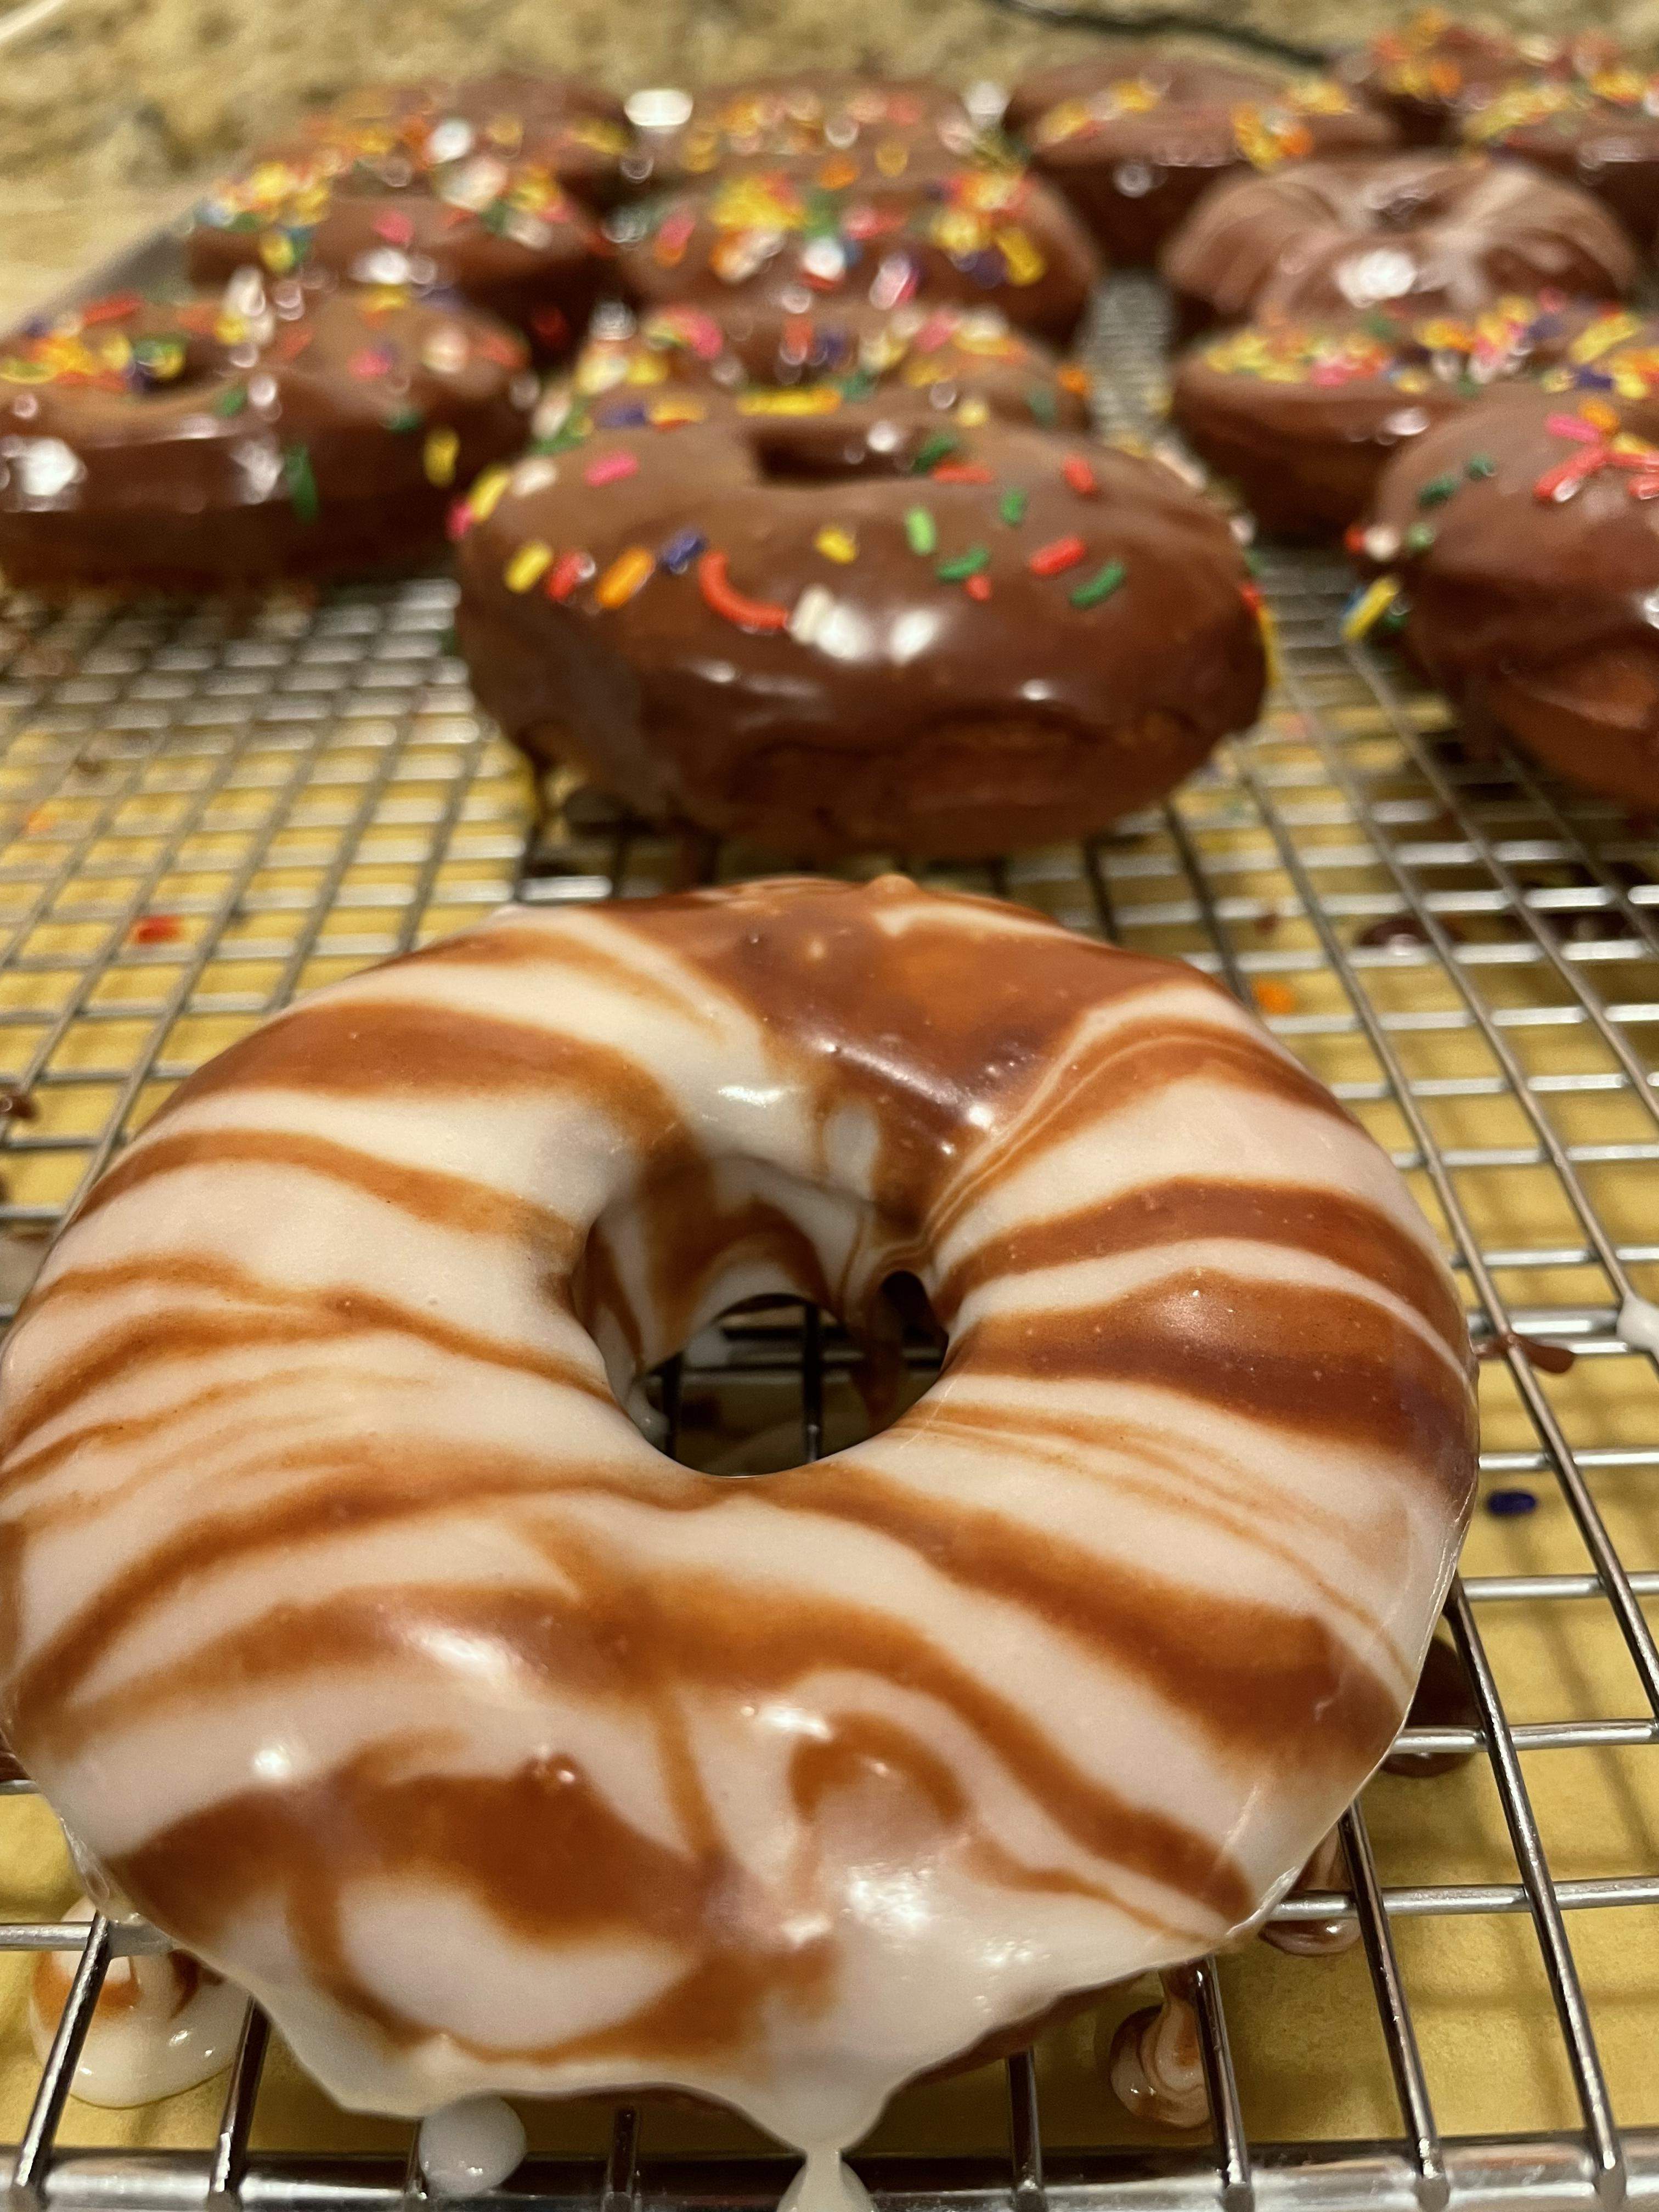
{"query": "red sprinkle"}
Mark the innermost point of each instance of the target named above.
(395, 227)
(1080, 477)
(1251, 595)
(370, 362)
(978, 587)
(567, 572)
(747, 614)
(115, 309)
(551, 325)
(960, 472)
(292, 342)
(458, 522)
(156, 929)
(1055, 557)
(610, 468)
(1555, 481)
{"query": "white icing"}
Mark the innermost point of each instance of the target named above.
(1639, 1323)
(162, 2023)
(1154, 2066)
(470, 2145)
(825, 2183)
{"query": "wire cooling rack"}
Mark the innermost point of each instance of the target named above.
(203, 810)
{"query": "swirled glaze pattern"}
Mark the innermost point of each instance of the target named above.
(353, 1626)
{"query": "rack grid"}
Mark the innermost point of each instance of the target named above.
(205, 810)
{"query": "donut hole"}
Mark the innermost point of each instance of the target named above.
(816, 451)
(721, 1333)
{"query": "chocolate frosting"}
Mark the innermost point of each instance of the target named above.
(1134, 138)
(1600, 131)
(891, 126)
(1526, 536)
(1415, 232)
(217, 441)
(1304, 416)
(960, 361)
(1428, 72)
(392, 201)
(577, 130)
(963, 642)
(785, 239)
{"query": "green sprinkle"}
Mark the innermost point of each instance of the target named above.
(932, 451)
(858, 385)
(1012, 509)
(961, 566)
(405, 418)
(1481, 464)
(1252, 562)
(569, 434)
(231, 400)
(919, 529)
(1419, 537)
(302, 482)
(1100, 585)
(1436, 489)
(1044, 407)
(1392, 618)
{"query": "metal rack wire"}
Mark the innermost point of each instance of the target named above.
(203, 813)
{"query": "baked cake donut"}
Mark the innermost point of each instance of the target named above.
(1600, 131)
(522, 1758)
(577, 130)
(364, 202)
(1133, 139)
(961, 362)
(847, 633)
(780, 240)
(1430, 70)
(223, 441)
(1303, 417)
(1417, 233)
(886, 126)
(1524, 537)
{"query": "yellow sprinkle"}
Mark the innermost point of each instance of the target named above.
(1599, 415)
(530, 562)
(666, 412)
(811, 399)
(1369, 607)
(277, 252)
(1026, 264)
(1267, 622)
(485, 495)
(647, 368)
(837, 544)
(973, 414)
(627, 575)
(1603, 334)
(442, 448)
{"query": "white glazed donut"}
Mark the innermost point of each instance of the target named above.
(357, 1632)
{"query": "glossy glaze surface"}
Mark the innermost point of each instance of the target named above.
(1599, 128)
(522, 1758)
(892, 126)
(861, 630)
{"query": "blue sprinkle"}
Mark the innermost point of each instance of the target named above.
(1597, 378)
(682, 550)
(37, 326)
(1510, 1504)
(630, 417)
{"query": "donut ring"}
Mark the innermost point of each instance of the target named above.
(1525, 545)
(860, 631)
(960, 361)
(1135, 139)
(523, 1758)
(889, 126)
(1303, 417)
(1418, 234)
(223, 441)
(379, 203)
(786, 240)
(1599, 132)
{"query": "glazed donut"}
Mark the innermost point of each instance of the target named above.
(222, 441)
(1432, 69)
(961, 362)
(891, 126)
(783, 241)
(1417, 233)
(870, 633)
(1133, 139)
(521, 1758)
(1601, 131)
(577, 130)
(1524, 534)
(1303, 417)
(380, 204)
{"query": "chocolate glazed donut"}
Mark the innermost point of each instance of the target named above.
(1413, 232)
(1430, 70)
(360, 1634)
(216, 442)
(1303, 417)
(1526, 537)
(862, 632)
(1601, 131)
(388, 203)
(1134, 139)
(886, 125)
(785, 240)
(577, 130)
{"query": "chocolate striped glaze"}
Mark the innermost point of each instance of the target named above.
(355, 1628)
